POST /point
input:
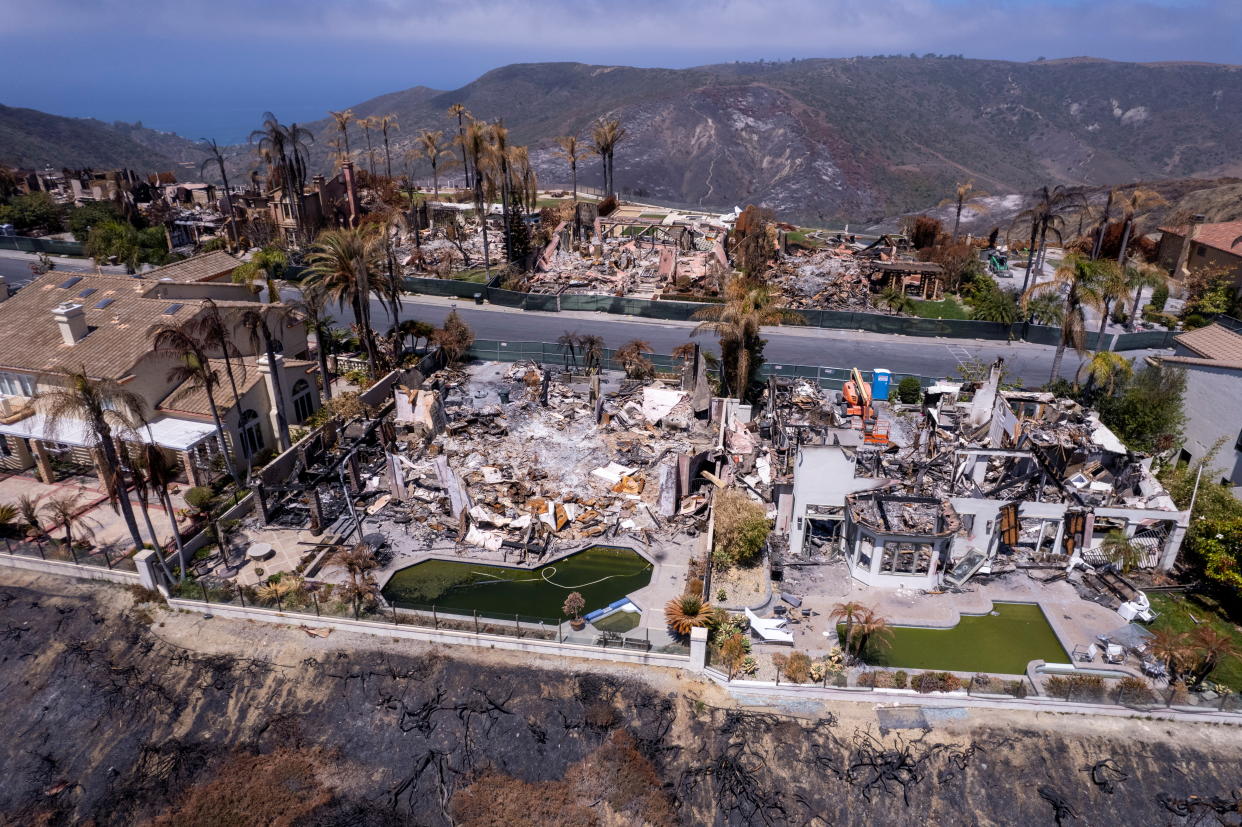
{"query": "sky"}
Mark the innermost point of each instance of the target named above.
(210, 68)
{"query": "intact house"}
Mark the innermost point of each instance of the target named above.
(1212, 360)
(1202, 246)
(99, 324)
(978, 485)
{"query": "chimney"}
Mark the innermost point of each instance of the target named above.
(71, 319)
(347, 171)
(1183, 255)
(4, 289)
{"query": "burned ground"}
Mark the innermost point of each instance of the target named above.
(111, 718)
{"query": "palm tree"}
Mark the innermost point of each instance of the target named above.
(571, 151)
(258, 325)
(387, 123)
(284, 149)
(1140, 277)
(633, 362)
(210, 328)
(342, 123)
(1121, 551)
(1113, 286)
(28, 508)
(313, 307)
(475, 148)
(961, 193)
(1046, 216)
(605, 135)
(1172, 649)
(848, 614)
(1046, 309)
(66, 509)
(569, 341)
(210, 145)
(1107, 370)
(498, 157)
(343, 264)
(367, 125)
(1212, 646)
(158, 475)
(1139, 200)
(686, 612)
(458, 111)
(1102, 226)
(592, 352)
(1077, 280)
(872, 627)
(896, 300)
(267, 265)
(748, 306)
(433, 149)
(358, 561)
(109, 410)
(994, 305)
(184, 344)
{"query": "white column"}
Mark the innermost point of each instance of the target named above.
(265, 370)
(698, 648)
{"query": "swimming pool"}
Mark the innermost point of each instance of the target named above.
(601, 574)
(1003, 641)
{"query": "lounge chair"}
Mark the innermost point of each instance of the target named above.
(772, 630)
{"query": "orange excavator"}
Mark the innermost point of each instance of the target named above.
(857, 394)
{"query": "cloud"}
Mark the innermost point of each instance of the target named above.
(668, 32)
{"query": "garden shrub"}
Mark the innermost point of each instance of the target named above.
(1132, 690)
(900, 679)
(936, 682)
(909, 391)
(798, 667)
(200, 498)
(742, 528)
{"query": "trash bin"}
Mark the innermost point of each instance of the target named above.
(478, 298)
(504, 397)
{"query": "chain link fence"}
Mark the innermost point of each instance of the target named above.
(828, 319)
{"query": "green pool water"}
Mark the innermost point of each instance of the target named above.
(1003, 643)
(601, 574)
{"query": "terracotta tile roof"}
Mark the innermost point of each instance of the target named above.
(185, 399)
(1214, 344)
(1219, 236)
(117, 315)
(204, 267)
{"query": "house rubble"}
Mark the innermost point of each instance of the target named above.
(975, 480)
(518, 457)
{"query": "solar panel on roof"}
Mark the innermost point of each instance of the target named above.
(86, 292)
(104, 304)
(67, 283)
(172, 308)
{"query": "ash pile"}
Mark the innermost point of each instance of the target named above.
(523, 456)
(826, 279)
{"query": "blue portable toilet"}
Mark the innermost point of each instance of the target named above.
(881, 379)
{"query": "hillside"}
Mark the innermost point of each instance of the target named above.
(852, 139)
(858, 138)
(33, 139)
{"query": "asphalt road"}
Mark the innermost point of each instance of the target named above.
(1028, 364)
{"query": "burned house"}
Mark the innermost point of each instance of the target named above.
(634, 256)
(969, 484)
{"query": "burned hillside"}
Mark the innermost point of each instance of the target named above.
(351, 730)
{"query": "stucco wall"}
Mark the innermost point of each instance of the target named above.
(1214, 411)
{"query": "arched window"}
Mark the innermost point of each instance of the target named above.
(251, 433)
(303, 401)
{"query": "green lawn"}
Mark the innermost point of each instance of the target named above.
(478, 275)
(656, 216)
(801, 237)
(1175, 613)
(950, 308)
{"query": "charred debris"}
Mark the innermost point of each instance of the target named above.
(504, 459)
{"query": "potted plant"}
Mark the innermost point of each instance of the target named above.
(574, 604)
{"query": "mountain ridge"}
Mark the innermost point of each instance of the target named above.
(841, 138)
